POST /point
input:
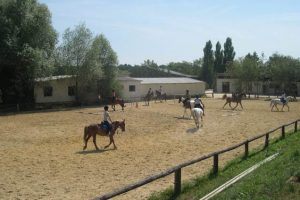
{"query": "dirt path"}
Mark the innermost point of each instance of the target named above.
(41, 155)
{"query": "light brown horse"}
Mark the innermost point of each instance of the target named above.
(94, 129)
(237, 98)
(117, 101)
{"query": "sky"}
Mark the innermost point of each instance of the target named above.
(176, 30)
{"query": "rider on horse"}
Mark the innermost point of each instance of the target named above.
(113, 96)
(106, 118)
(187, 96)
(149, 92)
(199, 103)
(283, 98)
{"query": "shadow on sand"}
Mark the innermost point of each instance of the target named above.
(93, 151)
(192, 130)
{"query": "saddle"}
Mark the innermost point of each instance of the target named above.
(104, 127)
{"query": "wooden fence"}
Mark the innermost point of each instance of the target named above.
(215, 155)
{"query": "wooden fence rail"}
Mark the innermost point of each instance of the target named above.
(215, 155)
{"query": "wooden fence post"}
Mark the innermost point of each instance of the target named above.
(177, 182)
(267, 140)
(283, 132)
(216, 163)
(246, 148)
(296, 126)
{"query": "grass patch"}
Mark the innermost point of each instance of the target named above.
(277, 179)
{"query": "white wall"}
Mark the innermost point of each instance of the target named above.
(231, 83)
(59, 91)
(169, 88)
(128, 95)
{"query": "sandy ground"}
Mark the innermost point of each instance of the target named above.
(42, 158)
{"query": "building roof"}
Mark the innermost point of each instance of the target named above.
(126, 79)
(168, 80)
(178, 73)
(50, 78)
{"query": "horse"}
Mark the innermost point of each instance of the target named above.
(197, 113)
(237, 98)
(187, 104)
(160, 96)
(148, 98)
(275, 102)
(94, 129)
(117, 101)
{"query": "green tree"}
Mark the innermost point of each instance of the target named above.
(73, 53)
(285, 71)
(108, 60)
(208, 64)
(150, 63)
(218, 65)
(27, 40)
(248, 72)
(229, 54)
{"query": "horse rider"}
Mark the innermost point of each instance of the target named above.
(187, 96)
(107, 119)
(113, 96)
(283, 98)
(149, 92)
(199, 103)
(234, 95)
(160, 89)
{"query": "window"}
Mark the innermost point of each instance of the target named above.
(225, 87)
(131, 88)
(48, 91)
(71, 90)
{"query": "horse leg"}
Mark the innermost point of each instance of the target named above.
(94, 141)
(113, 141)
(225, 104)
(236, 105)
(242, 105)
(110, 141)
(288, 107)
(86, 141)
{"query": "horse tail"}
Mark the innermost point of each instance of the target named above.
(85, 133)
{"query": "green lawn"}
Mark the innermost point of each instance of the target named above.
(270, 181)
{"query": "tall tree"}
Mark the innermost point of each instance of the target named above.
(218, 65)
(229, 53)
(248, 72)
(73, 53)
(208, 64)
(285, 71)
(27, 40)
(109, 61)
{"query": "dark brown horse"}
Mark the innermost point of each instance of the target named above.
(148, 98)
(187, 104)
(237, 98)
(160, 96)
(116, 102)
(94, 129)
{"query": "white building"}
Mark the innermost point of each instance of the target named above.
(136, 88)
(62, 89)
(55, 89)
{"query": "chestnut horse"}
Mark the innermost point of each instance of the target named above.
(237, 99)
(94, 129)
(117, 101)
